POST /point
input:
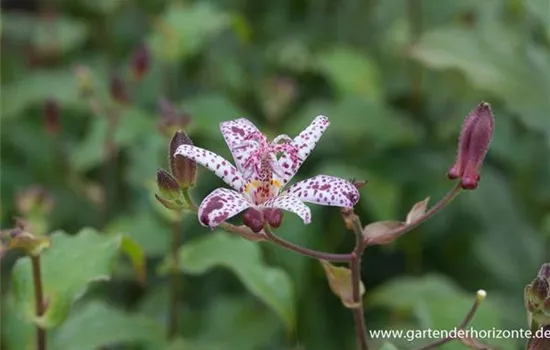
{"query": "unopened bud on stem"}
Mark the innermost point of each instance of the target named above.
(475, 137)
(183, 169)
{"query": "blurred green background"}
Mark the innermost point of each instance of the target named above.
(395, 78)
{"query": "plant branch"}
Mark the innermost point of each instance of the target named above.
(355, 267)
(399, 231)
(39, 301)
(305, 251)
(174, 282)
(480, 296)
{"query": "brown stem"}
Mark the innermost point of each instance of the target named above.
(305, 251)
(39, 301)
(480, 296)
(355, 267)
(399, 231)
(175, 281)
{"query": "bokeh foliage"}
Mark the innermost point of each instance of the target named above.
(395, 78)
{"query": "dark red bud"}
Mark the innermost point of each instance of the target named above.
(254, 219)
(473, 143)
(167, 185)
(183, 169)
(539, 289)
(140, 62)
(51, 116)
(544, 271)
(118, 90)
(170, 119)
(273, 216)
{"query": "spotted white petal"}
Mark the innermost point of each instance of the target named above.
(221, 205)
(213, 162)
(305, 142)
(290, 203)
(325, 190)
(237, 135)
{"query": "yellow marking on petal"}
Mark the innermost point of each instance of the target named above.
(276, 183)
(251, 186)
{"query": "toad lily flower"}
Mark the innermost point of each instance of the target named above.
(262, 170)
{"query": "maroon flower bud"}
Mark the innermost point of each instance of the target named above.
(170, 119)
(254, 219)
(473, 143)
(167, 185)
(140, 62)
(539, 290)
(118, 90)
(183, 169)
(51, 116)
(544, 271)
(273, 216)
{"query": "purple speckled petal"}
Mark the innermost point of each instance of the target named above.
(290, 203)
(213, 162)
(325, 190)
(305, 142)
(237, 134)
(221, 205)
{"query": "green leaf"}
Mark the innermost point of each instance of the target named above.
(133, 125)
(489, 60)
(17, 333)
(184, 29)
(339, 280)
(540, 9)
(405, 292)
(208, 111)
(243, 258)
(437, 303)
(134, 252)
(351, 73)
(388, 346)
(37, 88)
(58, 34)
(98, 325)
(68, 267)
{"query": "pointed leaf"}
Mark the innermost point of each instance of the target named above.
(243, 258)
(381, 232)
(97, 325)
(134, 252)
(417, 211)
(339, 281)
(67, 268)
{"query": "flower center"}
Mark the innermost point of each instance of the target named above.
(263, 163)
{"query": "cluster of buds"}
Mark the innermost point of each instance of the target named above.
(181, 177)
(537, 297)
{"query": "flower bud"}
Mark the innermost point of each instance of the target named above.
(273, 216)
(118, 90)
(170, 119)
(544, 271)
(473, 143)
(140, 62)
(167, 185)
(51, 116)
(254, 219)
(539, 290)
(183, 169)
